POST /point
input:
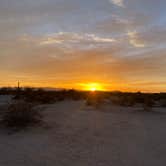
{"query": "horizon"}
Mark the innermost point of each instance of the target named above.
(108, 45)
(83, 89)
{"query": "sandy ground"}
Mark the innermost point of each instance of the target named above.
(81, 136)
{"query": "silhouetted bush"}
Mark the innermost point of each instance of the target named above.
(95, 100)
(162, 103)
(148, 104)
(114, 100)
(44, 97)
(123, 100)
(20, 115)
(38, 96)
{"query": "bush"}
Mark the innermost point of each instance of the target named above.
(162, 103)
(94, 101)
(126, 101)
(148, 104)
(20, 115)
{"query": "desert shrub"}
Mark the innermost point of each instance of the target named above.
(123, 100)
(94, 100)
(126, 101)
(74, 95)
(90, 102)
(130, 101)
(148, 104)
(20, 115)
(39, 96)
(147, 108)
(44, 98)
(114, 99)
(162, 102)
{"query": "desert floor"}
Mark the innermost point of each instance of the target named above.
(77, 135)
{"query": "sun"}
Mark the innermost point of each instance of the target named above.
(93, 87)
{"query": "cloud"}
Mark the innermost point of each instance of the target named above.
(56, 63)
(119, 3)
(117, 24)
(67, 37)
(100, 39)
(135, 40)
(154, 36)
(19, 17)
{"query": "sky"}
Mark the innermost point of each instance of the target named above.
(119, 44)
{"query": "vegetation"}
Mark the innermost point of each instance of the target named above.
(94, 99)
(43, 96)
(148, 104)
(162, 102)
(20, 115)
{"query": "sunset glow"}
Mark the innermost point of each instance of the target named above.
(117, 44)
(93, 87)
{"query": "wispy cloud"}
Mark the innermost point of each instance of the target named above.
(134, 39)
(100, 39)
(119, 3)
(67, 37)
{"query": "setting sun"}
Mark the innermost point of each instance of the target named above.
(93, 87)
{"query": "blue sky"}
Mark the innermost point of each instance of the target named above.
(120, 43)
